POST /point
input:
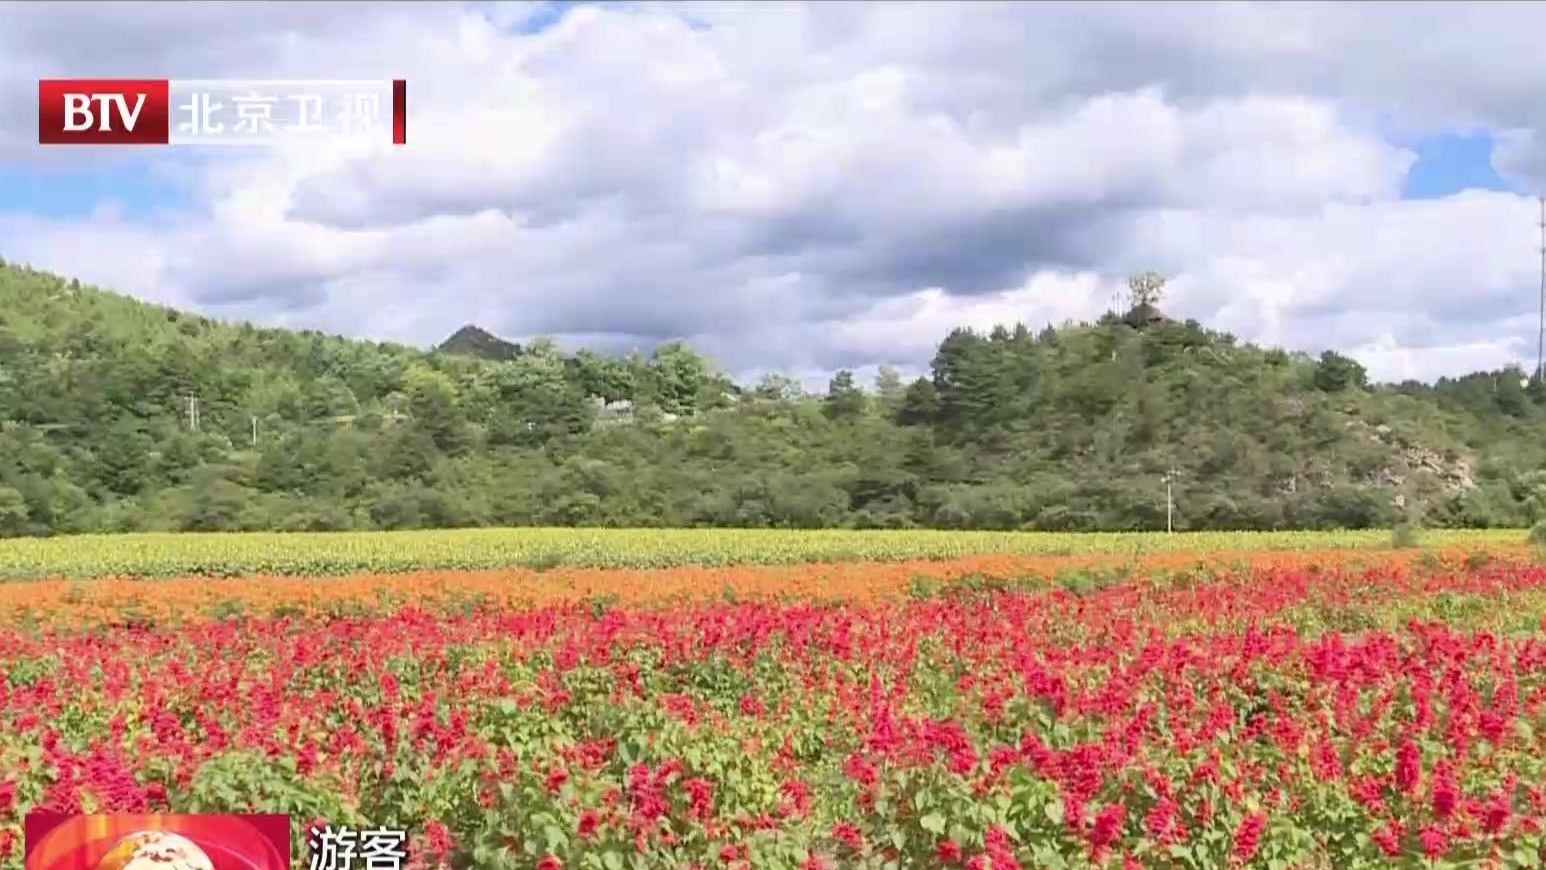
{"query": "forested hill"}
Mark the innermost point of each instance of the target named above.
(116, 415)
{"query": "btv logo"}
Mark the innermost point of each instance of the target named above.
(103, 112)
(78, 116)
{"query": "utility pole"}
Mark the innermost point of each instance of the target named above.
(1170, 498)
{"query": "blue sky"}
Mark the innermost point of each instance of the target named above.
(1450, 163)
(72, 189)
(548, 15)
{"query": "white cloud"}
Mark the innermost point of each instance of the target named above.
(904, 329)
(812, 186)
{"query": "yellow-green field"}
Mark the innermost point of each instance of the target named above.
(297, 554)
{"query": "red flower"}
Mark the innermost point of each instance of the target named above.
(440, 842)
(1434, 841)
(556, 779)
(1409, 768)
(1499, 810)
(1248, 836)
(1160, 821)
(948, 852)
(848, 835)
(1446, 792)
(1107, 829)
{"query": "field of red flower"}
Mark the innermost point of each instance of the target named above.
(1273, 717)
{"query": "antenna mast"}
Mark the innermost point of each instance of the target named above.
(1540, 333)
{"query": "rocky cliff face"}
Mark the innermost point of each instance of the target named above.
(1452, 472)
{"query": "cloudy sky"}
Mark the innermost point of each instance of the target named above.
(806, 187)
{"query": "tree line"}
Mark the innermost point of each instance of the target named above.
(1072, 428)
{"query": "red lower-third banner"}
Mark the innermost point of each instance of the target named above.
(122, 841)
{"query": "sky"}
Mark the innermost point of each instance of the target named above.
(805, 187)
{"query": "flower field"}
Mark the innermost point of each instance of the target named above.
(1341, 708)
(177, 601)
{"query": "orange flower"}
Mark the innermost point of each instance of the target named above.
(130, 601)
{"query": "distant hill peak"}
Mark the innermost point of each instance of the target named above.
(472, 340)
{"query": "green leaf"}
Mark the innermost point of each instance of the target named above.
(934, 823)
(1055, 812)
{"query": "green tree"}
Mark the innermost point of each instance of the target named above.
(844, 401)
(1336, 373)
(14, 517)
(434, 408)
(1061, 428)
